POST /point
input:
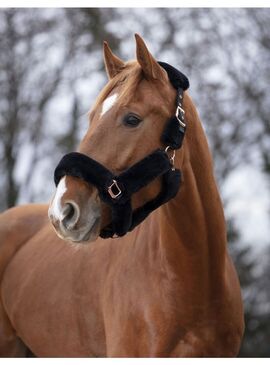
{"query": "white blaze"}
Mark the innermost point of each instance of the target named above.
(56, 208)
(108, 103)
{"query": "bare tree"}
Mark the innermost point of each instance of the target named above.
(43, 60)
(27, 85)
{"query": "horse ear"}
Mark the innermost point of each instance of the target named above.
(150, 67)
(113, 64)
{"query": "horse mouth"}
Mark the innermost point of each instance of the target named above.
(86, 234)
(93, 233)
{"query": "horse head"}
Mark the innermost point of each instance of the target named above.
(126, 124)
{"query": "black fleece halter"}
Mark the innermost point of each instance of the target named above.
(116, 190)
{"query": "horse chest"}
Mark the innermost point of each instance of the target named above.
(74, 304)
(79, 306)
(50, 300)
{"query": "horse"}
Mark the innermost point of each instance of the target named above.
(168, 287)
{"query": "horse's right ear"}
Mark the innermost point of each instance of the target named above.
(113, 64)
(150, 67)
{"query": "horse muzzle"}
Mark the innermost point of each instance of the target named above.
(75, 219)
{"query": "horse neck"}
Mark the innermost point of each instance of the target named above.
(192, 225)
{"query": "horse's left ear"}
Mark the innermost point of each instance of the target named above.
(113, 64)
(150, 67)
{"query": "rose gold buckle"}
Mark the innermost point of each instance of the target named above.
(171, 158)
(180, 113)
(111, 190)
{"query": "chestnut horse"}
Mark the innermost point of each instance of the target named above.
(168, 288)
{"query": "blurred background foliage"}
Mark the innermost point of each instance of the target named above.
(51, 70)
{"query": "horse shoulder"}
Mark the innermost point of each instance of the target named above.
(17, 226)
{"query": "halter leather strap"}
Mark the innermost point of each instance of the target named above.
(117, 190)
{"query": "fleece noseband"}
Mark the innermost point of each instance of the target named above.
(117, 190)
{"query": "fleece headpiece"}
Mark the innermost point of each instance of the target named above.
(116, 190)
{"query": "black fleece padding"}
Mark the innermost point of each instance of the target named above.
(79, 165)
(171, 181)
(130, 181)
(177, 78)
(170, 186)
(121, 220)
(141, 174)
(173, 134)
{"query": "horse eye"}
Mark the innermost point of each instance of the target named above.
(132, 120)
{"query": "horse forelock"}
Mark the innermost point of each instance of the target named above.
(127, 81)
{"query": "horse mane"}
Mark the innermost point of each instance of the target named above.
(129, 79)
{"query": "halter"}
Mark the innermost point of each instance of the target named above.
(116, 190)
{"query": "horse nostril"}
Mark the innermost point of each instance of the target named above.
(70, 215)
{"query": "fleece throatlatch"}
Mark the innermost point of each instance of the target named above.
(117, 190)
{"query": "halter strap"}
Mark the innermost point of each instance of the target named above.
(126, 184)
(171, 181)
(117, 190)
